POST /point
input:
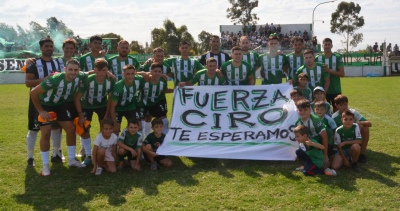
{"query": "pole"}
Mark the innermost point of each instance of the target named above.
(312, 25)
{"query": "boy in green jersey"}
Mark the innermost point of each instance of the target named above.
(334, 66)
(315, 71)
(273, 65)
(320, 110)
(315, 125)
(154, 100)
(117, 62)
(348, 139)
(310, 153)
(206, 77)
(123, 99)
(302, 86)
(296, 95)
(56, 94)
(151, 144)
(319, 95)
(236, 71)
(87, 60)
(130, 144)
(342, 104)
(92, 97)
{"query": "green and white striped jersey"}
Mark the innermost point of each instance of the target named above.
(315, 125)
(334, 63)
(350, 134)
(86, 62)
(94, 95)
(295, 62)
(126, 96)
(153, 93)
(146, 68)
(58, 90)
(203, 80)
(316, 76)
(252, 59)
(272, 67)
(116, 66)
(237, 75)
(183, 70)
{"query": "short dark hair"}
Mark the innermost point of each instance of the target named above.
(302, 129)
(295, 39)
(327, 40)
(129, 66)
(308, 51)
(72, 61)
(184, 42)
(347, 113)
(44, 40)
(303, 104)
(95, 37)
(100, 63)
(69, 41)
(155, 65)
(303, 75)
(214, 36)
(236, 48)
(341, 99)
(133, 121)
(296, 91)
(156, 121)
(211, 59)
(319, 104)
(107, 121)
(158, 49)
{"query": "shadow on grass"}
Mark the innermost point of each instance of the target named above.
(77, 189)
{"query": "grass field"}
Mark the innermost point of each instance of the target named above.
(209, 184)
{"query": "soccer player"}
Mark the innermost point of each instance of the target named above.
(158, 57)
(154, 100)
(207, 76)
(117, 62)
(236, 71)
(296, 59)
(317, 76)
(123, 100)
(215, 51)
(248, 56)
(334, 66)
(273, 65)
(40, 69)
(130, 144)
(69, 48)
(184, 68)
(55, 94)
(92, 98)
(87, 60)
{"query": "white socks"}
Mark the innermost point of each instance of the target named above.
(45, 157)
(30, 142)
(56, 137)
(71, 152)
(86, 143)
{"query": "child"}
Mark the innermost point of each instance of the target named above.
(296, 95)
(130, 144)
(151, 143)
(341, 103)
(302, 86)
(316, 127)
(348, 138)
(320, 111)
(310, 153)
(319, 95)
(105, 148)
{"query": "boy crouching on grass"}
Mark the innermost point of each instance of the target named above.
(105, 148)
(310, 153)
(151, 144)
(348, 139)
(130, 144)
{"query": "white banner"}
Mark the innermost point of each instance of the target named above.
(237, 122)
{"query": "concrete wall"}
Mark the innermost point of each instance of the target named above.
(12, 77)
(285, 28)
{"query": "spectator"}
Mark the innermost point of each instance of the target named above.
(315, 43)
(254, 28)
(389, 48)
(261, 30)
(266, 30)
(279, 29)
(396, 50)
(375, 48)
(272, 28)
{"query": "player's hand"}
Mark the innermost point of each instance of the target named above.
(30, 61)
(133, 152)
(81, 119)
(262, 73)
(137, 167)
(182, 84)
(94, 169)
(165, 77)
(111, 76)
(346, 162)
(45, 115)
(149, 61)
(290, 81)
(157, 144)
(308, 143)
(146, 76)
(102, 53)
(326, 68)
(219, 73)
(341, 145)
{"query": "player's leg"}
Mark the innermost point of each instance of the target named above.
(330, 98)
(56, 137)
(164, 161)
(45, 147)
(101, 152)
(109, 162)
(364, 143)
(33, 129)
(121, 152)
(159, 111)
(147, 124)
(117, 127)
(354, 152)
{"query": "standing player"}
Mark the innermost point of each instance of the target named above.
(315, 71)
(55, 94)
(273, 65)
(87, 60)
(92, 98)
(236, 71)
(69, 48)
(334, 66)
(117, 62)
(248, 56)
(183, 68)
(158, 57)
(215, 45)
(206, 77)
(123, 99)
(295, 59)
(39, 70)
(154, 100)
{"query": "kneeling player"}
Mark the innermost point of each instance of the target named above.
(130, 144)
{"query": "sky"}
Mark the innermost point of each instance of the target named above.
(134, 19)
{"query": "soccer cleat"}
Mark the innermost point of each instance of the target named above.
(355, 167)
(46, 170)
(31, 162)
(153, 166)
(87, 161)
(98, 171)
(121, 164)
(56, 159)
(362, 158)
(330, 172)
(74, 163)
(301, 168)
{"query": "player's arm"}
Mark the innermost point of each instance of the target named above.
(114, 152)
(94, 158)
(126, 147)
(251, 79)
(112, 111)
(338, 73)
(35, 92)
(137, 161)
(107, 114)
(365, 123)
(316, 145)
(327, 82)
(324, 137)
(31, 81)
(146, 148)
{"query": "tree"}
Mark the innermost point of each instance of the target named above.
(169, 37)
(346, 21)
(7, 32)
(136, 47)
(240, 12)
(204, 41)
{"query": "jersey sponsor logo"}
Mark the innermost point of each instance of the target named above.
(116, 94)
(49, 84)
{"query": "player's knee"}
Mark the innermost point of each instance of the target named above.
(121, 151)
(167, 163)
(355, 147)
